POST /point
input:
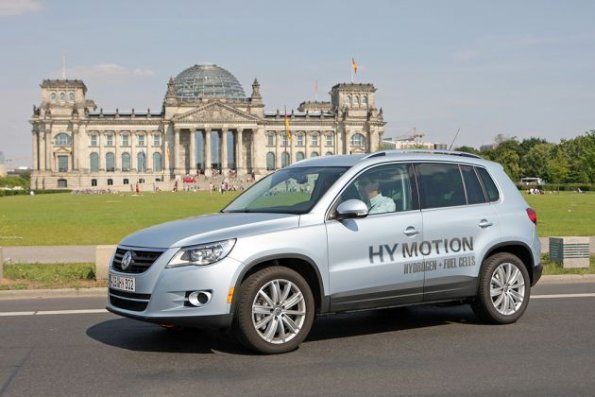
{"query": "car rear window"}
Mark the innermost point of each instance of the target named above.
(472, 185)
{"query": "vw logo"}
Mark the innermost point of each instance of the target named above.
(127, 260)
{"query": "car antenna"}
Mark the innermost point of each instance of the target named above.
(453, 140)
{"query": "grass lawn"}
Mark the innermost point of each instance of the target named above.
(70, 219)
(79, 219)
(564, 213)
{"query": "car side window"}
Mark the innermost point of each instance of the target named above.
(472, 185)
(441, 185)
(384, 189)
(488, 184)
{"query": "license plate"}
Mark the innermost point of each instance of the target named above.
(122, 283)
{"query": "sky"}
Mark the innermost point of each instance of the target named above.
(517, 68)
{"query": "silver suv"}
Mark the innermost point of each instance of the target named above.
(336, 234)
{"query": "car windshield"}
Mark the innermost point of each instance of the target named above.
(290, 190)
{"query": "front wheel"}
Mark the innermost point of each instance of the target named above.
(275, 310)
(504, 289)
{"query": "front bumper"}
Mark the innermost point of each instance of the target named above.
(160, 295)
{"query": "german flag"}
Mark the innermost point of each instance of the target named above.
(354, 65)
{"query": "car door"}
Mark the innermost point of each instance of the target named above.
(458, 223)
(366, 263)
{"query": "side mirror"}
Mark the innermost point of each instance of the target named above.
(352, 209)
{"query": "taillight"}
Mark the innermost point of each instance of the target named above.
(532, 215)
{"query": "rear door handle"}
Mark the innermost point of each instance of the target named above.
(411, 231)
(485, 223)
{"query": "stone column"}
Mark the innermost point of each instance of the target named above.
(208, 159)
(259, 151)
(133, 158)
(240, 165)
(101, 162)
(177, 151)
(224, 151)
(75, 149)
(193, 151)
(35, 137)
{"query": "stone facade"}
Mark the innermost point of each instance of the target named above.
(77, 147)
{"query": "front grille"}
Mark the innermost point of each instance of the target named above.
(141, 260)
(129, 300)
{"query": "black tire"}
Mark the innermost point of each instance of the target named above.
(285, 318)
(504, 289)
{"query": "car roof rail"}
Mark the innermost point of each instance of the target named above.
(422, 151)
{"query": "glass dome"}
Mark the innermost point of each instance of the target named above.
(207, 81)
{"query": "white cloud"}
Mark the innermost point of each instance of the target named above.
(19, 7)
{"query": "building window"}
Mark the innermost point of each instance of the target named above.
(126, 162)
(141, 162)
(284, 159)
(141, 140)
(63, 139)
(349, 100)
(364, 100)
(314, 139)
(94, 162)
(328, 154)
(110, 162)
(62, 183)
(284, 140)
(300, 139)
(125, 181)
(93, 182)
(109, 140)
(62, 96)
(299, 156)
(71, 96)
(62, 163)
(156, 140)
(125, 140)
(270, 161)
(157, 164)
(356, 101)
(358, 140)
(53, 97)
(314, 154)
(94, 140)
(110, 182)
(270, 139)
(141, 180)
(329, 141)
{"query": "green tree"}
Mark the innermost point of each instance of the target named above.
(535, 163)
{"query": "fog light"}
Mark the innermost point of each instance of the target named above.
(199, 298)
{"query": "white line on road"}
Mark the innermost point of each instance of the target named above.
(562, 296)
(52, 312)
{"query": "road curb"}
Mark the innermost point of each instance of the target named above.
(102, 292)
(53, 293)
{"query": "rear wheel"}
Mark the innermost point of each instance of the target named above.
(275, 310)
(504, 289)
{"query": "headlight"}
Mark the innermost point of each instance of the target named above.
(204, 254)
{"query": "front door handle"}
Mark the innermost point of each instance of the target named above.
(485, 223)
(411, 231)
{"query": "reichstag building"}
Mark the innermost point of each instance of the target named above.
(207, 127)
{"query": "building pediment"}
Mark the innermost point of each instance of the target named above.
(214, 113)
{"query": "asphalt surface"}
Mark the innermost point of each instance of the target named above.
(69, 346)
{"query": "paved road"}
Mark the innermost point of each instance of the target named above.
(51, 348)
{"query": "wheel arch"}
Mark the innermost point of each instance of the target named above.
(517, 248)
(301, 264)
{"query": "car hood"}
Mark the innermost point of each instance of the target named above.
(209, 228)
